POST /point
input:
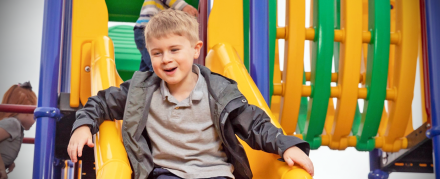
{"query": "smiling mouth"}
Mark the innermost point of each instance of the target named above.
(171, 69)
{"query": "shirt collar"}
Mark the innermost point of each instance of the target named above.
(196, 94)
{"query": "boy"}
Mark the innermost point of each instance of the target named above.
(149, 9)
(182, 120)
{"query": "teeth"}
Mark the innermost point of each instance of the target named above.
(171, 69)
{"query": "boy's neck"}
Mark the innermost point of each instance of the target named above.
(182, 90)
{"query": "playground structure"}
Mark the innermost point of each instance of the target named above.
(375, 46)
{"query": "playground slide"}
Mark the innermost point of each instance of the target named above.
(223, 59)
(110, 156)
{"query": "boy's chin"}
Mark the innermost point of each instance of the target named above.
(171, 81)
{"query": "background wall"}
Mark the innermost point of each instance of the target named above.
(20, 46)
(21, 25)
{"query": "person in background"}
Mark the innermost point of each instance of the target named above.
(13, 124)
(149, 9)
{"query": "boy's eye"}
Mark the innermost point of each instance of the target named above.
(174, 50)
(156, 53)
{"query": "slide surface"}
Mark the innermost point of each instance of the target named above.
(223, 59)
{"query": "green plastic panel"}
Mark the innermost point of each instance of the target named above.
(246, 31)
(377, 72)
(127, 56)
(129, 10)
(302, 116)
(272, 40)
(321, 70)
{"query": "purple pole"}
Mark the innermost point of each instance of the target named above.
(48, 90)
(259, 45)
(433, 37)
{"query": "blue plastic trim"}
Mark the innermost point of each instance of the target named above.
(47, 112)
(58, 168)
(378, 174)
(430, 133)
(209, 7)
(48, 88)
(433, 37)
(375, 159)
(67, 40)
(259, 45)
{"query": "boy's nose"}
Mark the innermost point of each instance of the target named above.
(166, 58)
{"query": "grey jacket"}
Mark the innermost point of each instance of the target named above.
(230, 112)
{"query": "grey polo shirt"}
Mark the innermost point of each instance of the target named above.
(10, 147)
(183, 137)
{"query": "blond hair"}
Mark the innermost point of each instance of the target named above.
(175, 22)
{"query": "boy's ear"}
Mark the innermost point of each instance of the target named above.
(198, 47)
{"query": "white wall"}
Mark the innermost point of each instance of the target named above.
(20, 43)
(21, 23)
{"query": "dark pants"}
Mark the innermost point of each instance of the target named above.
(160, 173)
(139, 38)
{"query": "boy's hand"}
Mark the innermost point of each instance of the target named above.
(191, 10)
(80, 137)
(295, 154)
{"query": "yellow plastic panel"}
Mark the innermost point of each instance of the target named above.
(89, 20)
(405, 63)
(225, 25)
(111, 162)
(276, 98)
(223, 59)
(110, 156)
(422, 82)
(365, 45)
(349, 70)
(85, 85)
(293, 64)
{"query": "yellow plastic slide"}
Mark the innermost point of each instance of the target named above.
(93, 69)
(110, 155)
(223, 59)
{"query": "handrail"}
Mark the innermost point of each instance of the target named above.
(110, 156)
(15, 108)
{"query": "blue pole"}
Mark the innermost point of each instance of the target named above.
(65, 62)
(375, 171)
(209, 8)
(259, 45)
(46, 113)
(433, 37)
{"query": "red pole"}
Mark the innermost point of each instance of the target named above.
(28, 140)
(12, 108)
(203, 30)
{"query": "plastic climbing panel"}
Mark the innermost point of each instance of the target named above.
(127, 56)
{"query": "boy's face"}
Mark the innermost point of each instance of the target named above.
(172, 58)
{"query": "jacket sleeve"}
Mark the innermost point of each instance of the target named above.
(176, 5)
(108, 104)
(253, 125)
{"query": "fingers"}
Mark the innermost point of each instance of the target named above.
(80, 149)
(72, 149)
(307, 165)
(90, 142)
(289, 161)
(196, 13)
